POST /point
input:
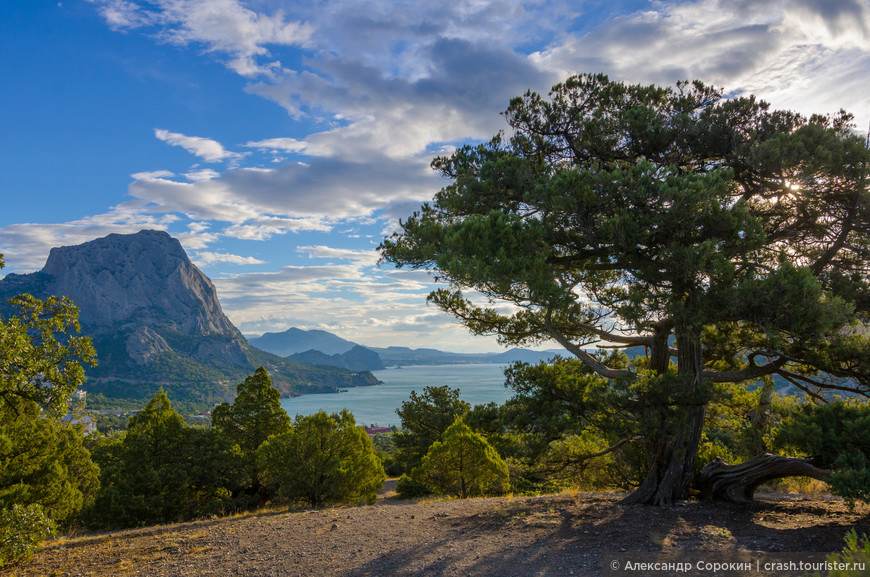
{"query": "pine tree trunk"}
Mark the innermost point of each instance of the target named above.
(737, 483)
(671, 454)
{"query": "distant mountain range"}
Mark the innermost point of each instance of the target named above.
(295, 340)
(156, 322)
(356, 359)
(325, 348)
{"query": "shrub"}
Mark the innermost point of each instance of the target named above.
(835, 434)
(322, 459)
(857, 550)
(162, 471)
(408, 488)
(462, 463)
(22, 529)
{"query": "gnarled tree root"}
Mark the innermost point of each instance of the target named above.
(720, 481)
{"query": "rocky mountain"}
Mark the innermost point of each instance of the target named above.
(156, 321)
(293, 341)
(356, 359)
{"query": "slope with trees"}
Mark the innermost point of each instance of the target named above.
(46, 474)
(729, 240)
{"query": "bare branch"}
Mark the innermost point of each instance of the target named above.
(791, 377)
(753, 371)
(586, 358)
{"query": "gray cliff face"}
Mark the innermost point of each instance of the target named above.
(155, 321)
(142, 279)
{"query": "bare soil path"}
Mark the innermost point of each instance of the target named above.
(528, 536)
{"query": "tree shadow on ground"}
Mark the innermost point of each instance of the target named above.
(570, 537)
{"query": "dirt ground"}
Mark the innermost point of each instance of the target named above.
(528, 536)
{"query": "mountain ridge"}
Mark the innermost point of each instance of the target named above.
(301, 345)
(156, 321)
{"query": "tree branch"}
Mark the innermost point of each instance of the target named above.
(586, 457)
(791, 377)
(753, 371)
(586, 358)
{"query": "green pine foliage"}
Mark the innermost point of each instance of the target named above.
(425, 417)
(44, 462)
(41, 357)
(323, 459)
(668, 218)
(46, 475)
(835, 435)
(254, 416)
(562, 415)
(162, 471)
(853, 560)
(463, 464)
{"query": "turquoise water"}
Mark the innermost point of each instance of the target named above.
(377, 405)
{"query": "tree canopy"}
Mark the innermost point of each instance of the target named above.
(718, 232)
(41, 357)
(46, 474)
(323, 459)
(254, 416)
(462, 463)
(160, 470)
(425, 417)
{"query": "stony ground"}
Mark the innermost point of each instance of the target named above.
(529, 536)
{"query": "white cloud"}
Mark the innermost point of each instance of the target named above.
(205, 148)
(805, 55)
(200, 175)
(152, 175)
(265, 227)
(324, 189)
(225, 27)
(465, 86)
(206, 258)
(122, 14)
(362, 257)
(279, 145)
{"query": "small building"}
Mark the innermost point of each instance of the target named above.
(375, 431)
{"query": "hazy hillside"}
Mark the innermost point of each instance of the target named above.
(295, 340)
(303, 346)
(407, 356)
(356, 359)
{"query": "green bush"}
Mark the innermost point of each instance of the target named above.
(408, 488)
(322, 459)
(857, 550)
(43, 461)
(22, 529)
(162, 471)
(424, 418)
(835, 434)
(254, 416)
(462, 463)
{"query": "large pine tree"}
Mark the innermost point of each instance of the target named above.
(730, 240)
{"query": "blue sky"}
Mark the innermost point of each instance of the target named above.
(281, 140)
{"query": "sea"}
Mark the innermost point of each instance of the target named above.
(376, 405)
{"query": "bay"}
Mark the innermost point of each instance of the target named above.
(376, 405)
